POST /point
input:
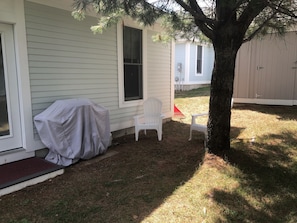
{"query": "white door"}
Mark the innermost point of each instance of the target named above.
(275, 76)
(10, 127)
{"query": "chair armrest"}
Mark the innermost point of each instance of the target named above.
(202, 114)
(137, 118)
(141, 118)
(194, 116)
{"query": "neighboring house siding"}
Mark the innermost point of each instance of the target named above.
(180, 57)
(186, 53)
(192, 64)
(208, 62)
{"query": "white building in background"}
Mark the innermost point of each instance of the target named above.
(193, 64)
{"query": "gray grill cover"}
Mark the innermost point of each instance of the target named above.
(73, 129)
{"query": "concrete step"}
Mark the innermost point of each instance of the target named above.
(23, 173)
(15, 155)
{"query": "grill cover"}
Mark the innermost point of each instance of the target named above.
(73, 129)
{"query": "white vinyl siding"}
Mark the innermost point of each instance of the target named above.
(66, 60)
(159, 70)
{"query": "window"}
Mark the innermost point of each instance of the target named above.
(133, 64)
(199, 60)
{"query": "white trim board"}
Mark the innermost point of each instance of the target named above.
(265, 101)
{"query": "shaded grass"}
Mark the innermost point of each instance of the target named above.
(123, 188)
(173, 180)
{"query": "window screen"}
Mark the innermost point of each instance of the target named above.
(133, 86)
(199, 60)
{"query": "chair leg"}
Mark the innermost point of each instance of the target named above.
(159, 135)
(190, 138)
(136, 134)
(205, 141)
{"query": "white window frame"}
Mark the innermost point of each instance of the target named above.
(122, 102)
(202, 52)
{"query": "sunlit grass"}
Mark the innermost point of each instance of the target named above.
(195, 200)
(192, 102)
(255, 182)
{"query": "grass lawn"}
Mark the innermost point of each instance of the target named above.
(174, 180)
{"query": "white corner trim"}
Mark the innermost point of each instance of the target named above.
(23, 78)
(187, 62)
(172, 73)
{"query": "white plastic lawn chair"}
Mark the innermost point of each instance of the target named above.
(152, 118)
(198, 127)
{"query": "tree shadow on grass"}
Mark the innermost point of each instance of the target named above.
(126, 187)
(284, 112)
(267, 189)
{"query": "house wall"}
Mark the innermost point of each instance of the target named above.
(207, 64)
(159, 70)
(66, 60)
(180, 58)
(193, 76)
(266, 71)
(185, 53)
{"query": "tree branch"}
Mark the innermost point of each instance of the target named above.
(283, 10)
(259, 28)
(276, 8)
(205, 24)
(252, 10)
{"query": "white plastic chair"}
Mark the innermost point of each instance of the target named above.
(198, 127)
(151, 118)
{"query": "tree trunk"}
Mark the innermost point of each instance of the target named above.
(221, 95)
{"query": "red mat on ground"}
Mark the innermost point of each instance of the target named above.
(20, 171)
(178, 113)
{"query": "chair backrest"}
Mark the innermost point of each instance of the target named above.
(152, 110)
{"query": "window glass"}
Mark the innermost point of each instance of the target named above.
(4, 125)
(199, 60)
(133, 83)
